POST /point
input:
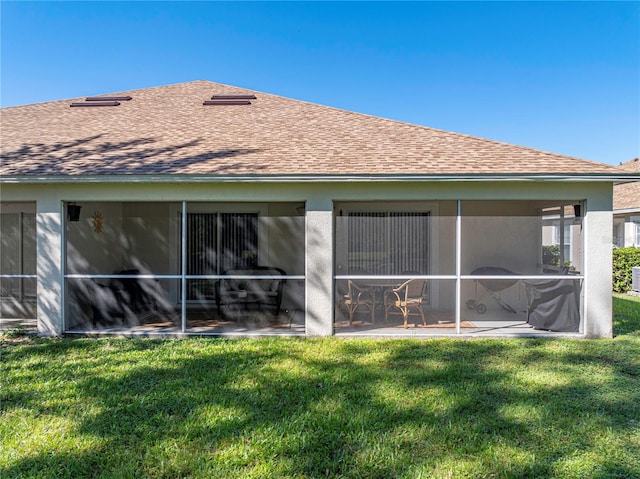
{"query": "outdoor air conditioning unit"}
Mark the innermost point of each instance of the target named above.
(635, 279)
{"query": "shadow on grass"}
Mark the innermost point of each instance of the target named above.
(296, 408)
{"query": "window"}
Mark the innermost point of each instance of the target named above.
(561, 238)
(388, 242)
(563, 227)
(618, 232)
(217, 242)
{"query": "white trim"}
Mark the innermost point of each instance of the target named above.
(183, 272)
(181, 179)
(125, 276)
(397, 277)
(585, 267)
(458, 265)
(245, 276)
(63, 266)
(526, 276)
(626, 211)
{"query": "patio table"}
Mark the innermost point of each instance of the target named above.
(378, 286)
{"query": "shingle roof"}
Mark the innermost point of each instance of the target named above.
(631, 165)
(167, 130)
(627, 196)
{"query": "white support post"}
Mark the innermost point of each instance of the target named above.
(183, 271)
(458, 265)
(50, 247)
(319, 268)
(598, 271)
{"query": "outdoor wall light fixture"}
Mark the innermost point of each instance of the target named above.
(73, 212)
(577, 211)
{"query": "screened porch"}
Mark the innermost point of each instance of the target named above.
(178, 267)
(458, 267)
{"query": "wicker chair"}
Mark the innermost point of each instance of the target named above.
(407, 298)
(357, 297)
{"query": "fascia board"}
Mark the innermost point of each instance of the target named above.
(626, 211)
(318, 178)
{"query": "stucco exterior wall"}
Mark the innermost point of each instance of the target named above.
(319, 198)
(599, 262)
(49, 250)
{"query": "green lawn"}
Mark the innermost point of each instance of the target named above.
(207, 408)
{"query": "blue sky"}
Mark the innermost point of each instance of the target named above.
(561, 77)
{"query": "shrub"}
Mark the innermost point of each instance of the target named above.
(623, 260)
(551, 256)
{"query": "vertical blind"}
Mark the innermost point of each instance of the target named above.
(201, 243)
(217, 242)
(388, 243)
(238, 239)
(220, 241)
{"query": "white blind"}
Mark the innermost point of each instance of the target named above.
(388, 243)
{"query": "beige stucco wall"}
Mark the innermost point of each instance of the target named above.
(319, 198)
(598, 265)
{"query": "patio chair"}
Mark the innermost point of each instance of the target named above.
(357, 297)
(407, 298)
(133, 300)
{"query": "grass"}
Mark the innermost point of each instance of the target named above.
(283, 407)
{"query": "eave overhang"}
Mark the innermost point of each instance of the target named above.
(626, 211)
(177, 178)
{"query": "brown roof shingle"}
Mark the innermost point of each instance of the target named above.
(627, 195)
(167, 130)
(631, 165)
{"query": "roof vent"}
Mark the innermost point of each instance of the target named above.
(96, 103)
(108, 98)
(226, 102)
(230, 100)
(233, 97)
(102, 101)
